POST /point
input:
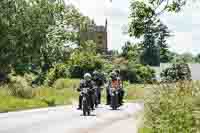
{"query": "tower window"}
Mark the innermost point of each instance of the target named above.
(100, 42)
(100, 37)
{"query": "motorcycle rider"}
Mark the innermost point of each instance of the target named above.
(98, 81)
(113, 82)
(121, 90)
(86, 83)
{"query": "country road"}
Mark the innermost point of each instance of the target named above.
(66, 119)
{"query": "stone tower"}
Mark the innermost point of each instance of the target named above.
(101, 37)
(97, 33)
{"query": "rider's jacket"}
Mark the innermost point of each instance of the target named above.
(114, 84)
(98, 80)
(120, 82)
(86, 84)
(117, 83)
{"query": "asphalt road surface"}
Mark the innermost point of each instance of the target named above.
(66, 119)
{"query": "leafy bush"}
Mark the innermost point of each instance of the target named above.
(20, 86)
(51, 102)
(171, 108)
(176, 72)
(129, 74)
(145, 73)
(58, 71)
(23, 68)
(85, 59)
(108, 66)
(84, 62)
(10, 103)
(136, 73)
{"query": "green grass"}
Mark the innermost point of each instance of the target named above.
(63, 92)
(61, 97)
(10, 103)
(43, 97)
(145, 130)
(134, 92)
(173, 108)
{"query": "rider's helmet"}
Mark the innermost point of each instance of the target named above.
(95, 74)
(117, 71)
(113, 75)
(87, 76)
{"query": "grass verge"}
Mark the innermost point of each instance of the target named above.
(173, 108)
(43, 96)
(61, 93)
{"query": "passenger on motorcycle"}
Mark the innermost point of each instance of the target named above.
(86, 83)
(98, 82)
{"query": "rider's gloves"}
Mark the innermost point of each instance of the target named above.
(78, 89)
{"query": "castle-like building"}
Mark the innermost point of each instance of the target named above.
(97, 33)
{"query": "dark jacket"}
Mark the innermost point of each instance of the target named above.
(86, 84)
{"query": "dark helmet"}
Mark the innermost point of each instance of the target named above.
(117, 71)
(95, 73)
(113, 75)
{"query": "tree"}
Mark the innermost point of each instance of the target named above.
(186, 58)
(85, 59)
(131, 51)
(197, 58)
(132, 71)
(145, 24)
(161, 6)
(178, 72)
(64, 34)
(23, 31)
(37, 32)
(165, 54)
(150, 56)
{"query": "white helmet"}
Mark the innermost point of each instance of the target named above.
(87, 76)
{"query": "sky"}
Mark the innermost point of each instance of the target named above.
(185, 26)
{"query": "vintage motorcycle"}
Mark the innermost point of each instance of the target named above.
(85, 101)
(114, 93)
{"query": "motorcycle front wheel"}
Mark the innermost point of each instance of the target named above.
(85, 106)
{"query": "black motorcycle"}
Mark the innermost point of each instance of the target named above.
(114, 93)
(85, 101)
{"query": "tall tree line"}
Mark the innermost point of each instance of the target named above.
(37, 32)
(146, 25)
